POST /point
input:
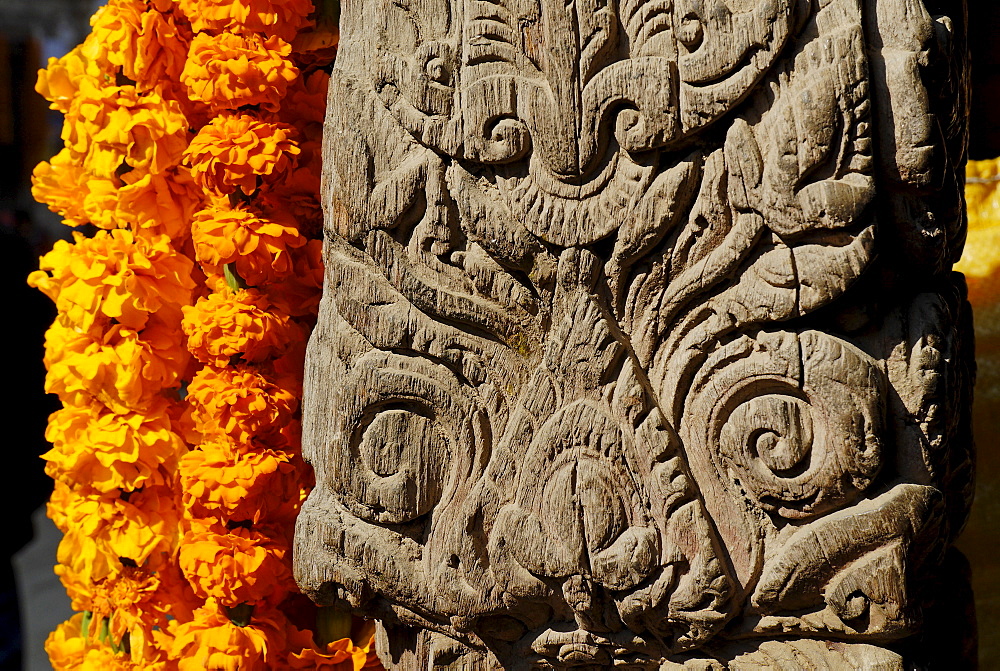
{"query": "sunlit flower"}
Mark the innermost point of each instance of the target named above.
(219, 479)
(238, 151)
(121, 368)
(270, 17)
(213, 641)
(148, 45)
(239, 323)
(160, 204)
(66, 646)
(229, 71)
(108, 451)
(113, 275)
(59, 82)
(102, 531)
(66, 187)
(242, 566)
(115, 129)
(258, 245)
(240, 402)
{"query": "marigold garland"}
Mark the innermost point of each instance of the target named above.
(192, 144)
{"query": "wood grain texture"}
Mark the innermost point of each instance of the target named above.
(639, 346)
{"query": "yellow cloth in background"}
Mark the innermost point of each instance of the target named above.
(981, 259)
(981, 265)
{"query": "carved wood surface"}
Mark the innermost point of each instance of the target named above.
(639, 346)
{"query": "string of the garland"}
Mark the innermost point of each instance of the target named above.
(191, 163)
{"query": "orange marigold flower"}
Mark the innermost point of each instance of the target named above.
(113, 275)
(221, 480)
(128, 599)
(298, 197)
(299, 293)
(108, 451)
(228, 71)
(240, 323)
(123, 369)
(113, 127)
(258, 245)
(242, 566)
(66, 645)
(213, 641)
(240, 402)
(238, 151)
(306, 99)
(341, 655)
(282, 18)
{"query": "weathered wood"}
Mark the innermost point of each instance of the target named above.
(639, 346)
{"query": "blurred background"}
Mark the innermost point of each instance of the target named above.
(31, 31)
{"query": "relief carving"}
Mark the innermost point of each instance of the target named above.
(639, 346)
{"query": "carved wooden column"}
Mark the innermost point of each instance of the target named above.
(640, 346)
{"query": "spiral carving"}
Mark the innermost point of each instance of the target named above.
(796, 419)
(406, 430)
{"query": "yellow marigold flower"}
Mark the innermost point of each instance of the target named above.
(160, 204)
(124, 369)
(108, 451)
(79, 196)
(103, 658)
(137, 526)
(115, 126)
(145, 42)
(212, 641)
(242, 566)
(240, 402)
(239, 151)
(114, 275)
(115, 27)
(66, 646)
(134, 601)
(228, 71)
(79, 586)
(258, 245)
(59, 82)
(61, 183)
(221, 480)
(240, 323)
(282, 18)
(59, 503)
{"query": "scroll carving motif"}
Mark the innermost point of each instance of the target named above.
(639, 346)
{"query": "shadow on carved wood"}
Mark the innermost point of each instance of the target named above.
(639, 346)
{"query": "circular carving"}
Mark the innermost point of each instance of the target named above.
(405, 433)
(797, 421)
